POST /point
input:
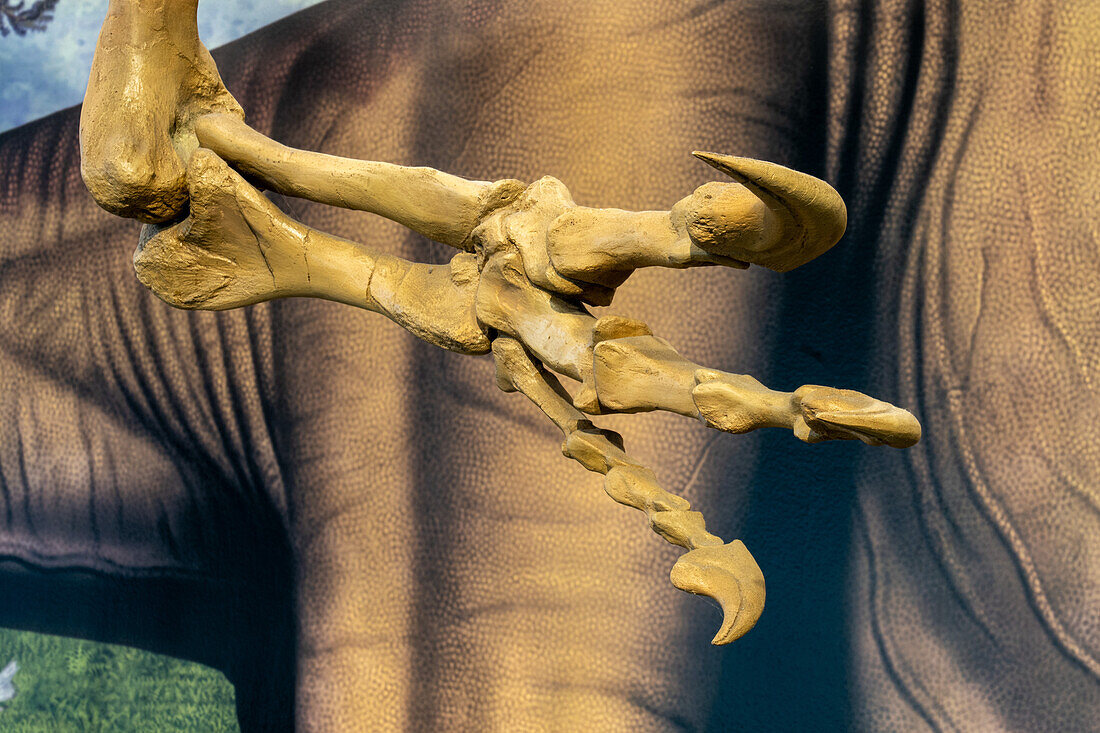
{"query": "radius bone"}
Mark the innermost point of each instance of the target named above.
(151, 79)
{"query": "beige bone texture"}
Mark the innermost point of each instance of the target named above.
(163, 142)
(151, 80)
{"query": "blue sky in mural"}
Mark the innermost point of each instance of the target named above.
(43, 72)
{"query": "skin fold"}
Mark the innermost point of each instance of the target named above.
(291, 486)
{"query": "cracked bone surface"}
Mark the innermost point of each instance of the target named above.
(151, 79)
(236, 248)
(533, 261)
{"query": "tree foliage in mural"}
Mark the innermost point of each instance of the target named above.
(15, 17)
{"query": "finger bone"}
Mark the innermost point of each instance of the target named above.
(831, 413)
(642, 373)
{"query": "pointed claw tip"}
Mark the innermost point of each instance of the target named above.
(707, 156)
(728, 574)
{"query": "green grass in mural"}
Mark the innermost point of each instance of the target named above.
(68, 685)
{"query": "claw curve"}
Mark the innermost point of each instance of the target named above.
(812, 209)
(728, 574)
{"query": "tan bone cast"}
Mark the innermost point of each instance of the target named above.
(162, 141)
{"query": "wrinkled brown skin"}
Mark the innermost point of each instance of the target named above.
(290, 485)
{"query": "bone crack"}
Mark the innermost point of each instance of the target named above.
(713, 573)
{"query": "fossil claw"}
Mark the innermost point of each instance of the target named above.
(828, 413)
(813, 212)
(728, 574)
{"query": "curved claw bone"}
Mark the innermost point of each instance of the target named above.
(728, 574)
(812, 212)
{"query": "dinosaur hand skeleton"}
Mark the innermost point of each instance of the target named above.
(530, 262)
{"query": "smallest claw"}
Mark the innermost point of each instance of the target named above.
(828, 413)
(728, 574)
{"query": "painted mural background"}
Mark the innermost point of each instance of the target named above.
(42, 71)
(59, 684)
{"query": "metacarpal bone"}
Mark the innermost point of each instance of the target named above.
(237, 248)
(151, 79)
(556, 331)
(442, 207)
(643, 373)
(523, 226)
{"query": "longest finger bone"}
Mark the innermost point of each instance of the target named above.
(442, 207)
(639, 373)
(725, 572)
(623, 367)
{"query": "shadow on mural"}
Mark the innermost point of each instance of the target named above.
(306, 499)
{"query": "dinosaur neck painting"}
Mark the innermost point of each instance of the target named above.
(164, 142)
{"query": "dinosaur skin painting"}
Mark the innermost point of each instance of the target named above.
(363, 532)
